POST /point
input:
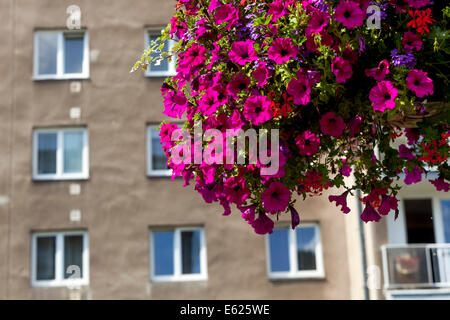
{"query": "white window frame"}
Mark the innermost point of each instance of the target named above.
(60, 175)
(59, 280)
(177, 259)
(60, 74)
(172, 64)
(150, 171)
(293, 272)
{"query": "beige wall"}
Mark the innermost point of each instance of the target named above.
(119, 202)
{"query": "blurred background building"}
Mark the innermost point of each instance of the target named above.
(88, 209)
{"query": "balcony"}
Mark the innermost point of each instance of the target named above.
(416, 266)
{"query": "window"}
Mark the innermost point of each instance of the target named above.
(61, 55)
(178, 254)
(59, 259)
(165, 67)
(156, 157)
(295, 253)
(60, 154)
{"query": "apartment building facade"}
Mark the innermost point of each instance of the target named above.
(87, 208)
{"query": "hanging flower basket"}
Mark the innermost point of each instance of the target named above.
(285, 98)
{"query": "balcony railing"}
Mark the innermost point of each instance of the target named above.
(416, 266)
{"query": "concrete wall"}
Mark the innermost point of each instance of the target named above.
(119, 202)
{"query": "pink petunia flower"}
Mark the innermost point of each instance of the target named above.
(440, 184)
(175, 104)
(277, 9)
(411, 41)
(248, 213)
(308, 143)
(261, 74)
(349, 14)
(226, 13)
(342, 69)
(300, 89)
(341, 201)
(418, 3)
(257, 109)
(332, 124)
(235, 190)
(276, 197)
(263, 224)
(387, 204)
(243, 52)
(369, 214)
(318, 21)
(380, 72)
(383, 95)
(405, 153)
(412, 134)
(209, 103)
(413, 176)
(238, 83)
(418, 82)
(282, 50)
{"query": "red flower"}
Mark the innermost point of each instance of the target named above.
(420, 19)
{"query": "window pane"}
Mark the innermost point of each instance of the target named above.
(45, 253)
(190, 251)
(159, 158)
(164, 64)
(306, 248)
(445, 205)
(47, 52)
(73, 257)
(279, 250)
(163, 253)
(419, 221)
(73, 151)
(47, 146)
(73, 53)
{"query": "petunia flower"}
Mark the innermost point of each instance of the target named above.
(380, 72)
(342, 69)
(413, 176)
(349, 14)
(277, 9)
(261, 75)
(340, 201)
(235, 190)
(276, 197)
(226, 13)
(331, 124)
(295, 218)
(238, 83)
(175, 104)
(318, 22)
(257, 109)
(405, 153)
(387, 204)
(248, 213)
(243, 52)
(418, 82)
(300, 89)
(282, 50)
(308, 143)
(369, 214)
(383, 95)
(209, 103)
(440, 184)
(411, 41)
(263, 224)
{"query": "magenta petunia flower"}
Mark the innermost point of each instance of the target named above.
(235, 190)
(209, 103)
(412, 134)
(345, 170)
(341, 201)
(418, 82)
(248, 212)
(413, 176)
(263, 224)
(175, 104)
(300, 89)
(342, 69)
(194, 56)
(418, 3)
(332, 124)
(383, 95)
(387, 204)
(308, 143)
(166, 130)
(243, 52)
(277, 9)
(276, 197)
(405, 153)
(295, 218)
(318, 21)
(282, 50)
(261, 74)
(411, 41)
(369, 214)
(257, 109)
(380, 72)
(349, 14)
(238, 83)
(440, 184)
(355, 126)
(226, 13)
